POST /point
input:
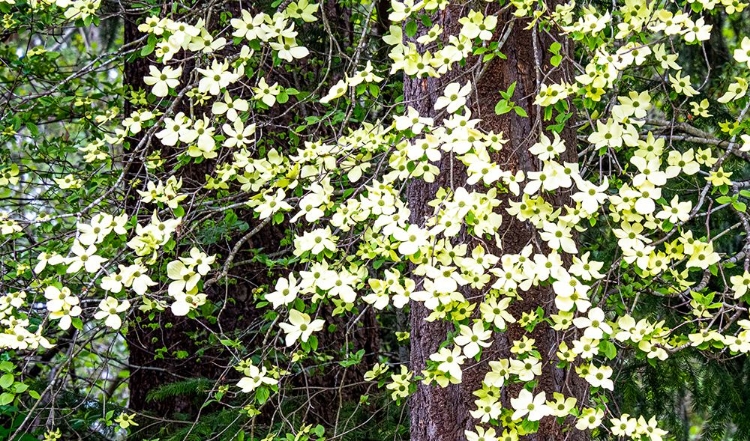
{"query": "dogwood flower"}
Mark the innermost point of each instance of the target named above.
(135, 122)
(249, 27)
(125, 420)
(495, 312)
(473, 339)
(288, 49)
(586, 347)
(590, 196)
(526, 369)
(230, 106)
(404, 10)
(650, 429)
(450, 361)
(84, 258)
(740, 284)
(481, 434)
(411, 238)
(742, 53)
(265, 93)
(302, 9)
(136, 277)
(533, 407)
(623, 426)
(477, 25)
(62, 305)
(676, 211)
(286, 291)
(175, 129)
(186, 302)
(300, 326)
(488, 407)
(682, 85)
(719, 177)
(315, 241)
(594, 324)
(586, 269)
(68, 182)
(184, 278)
(546, 149)
(238, 135)
(400, 383)
(162, 80)
(412, 121)
(110, 308)
(562, 405)
(498, 374)
(338, 90)
(254, 377)
(454, 97)
(600, 377)
(589, 418)
(558, 236)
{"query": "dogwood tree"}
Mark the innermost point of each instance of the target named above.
(295, 220)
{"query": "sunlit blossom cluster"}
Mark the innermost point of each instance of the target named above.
(336, 240)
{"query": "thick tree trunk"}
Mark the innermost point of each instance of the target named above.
(443, 414)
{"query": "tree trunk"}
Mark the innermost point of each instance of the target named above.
(443, 413)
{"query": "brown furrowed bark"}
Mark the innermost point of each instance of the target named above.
(442, 414)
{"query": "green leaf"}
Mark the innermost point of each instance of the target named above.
(547, 113)
(262, 394)
(511, 89)
(608, 349)
(179, 211)
(32, 128)
(411, 28)
(520, 112)
(6, 398)
(150, 46)
(530, 426)
(353, 359)
(502, 107)
(724, 199)
(319, 430)
(6, 381)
